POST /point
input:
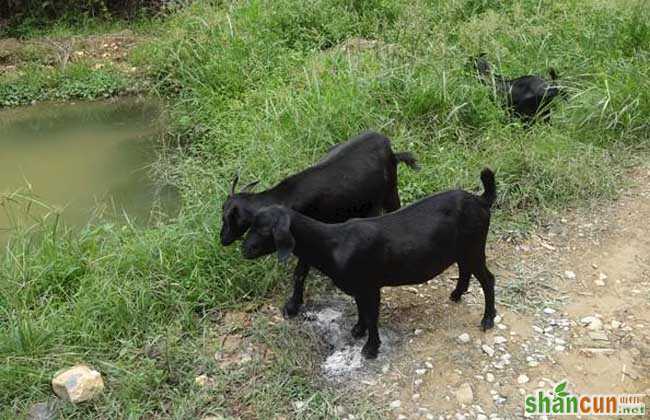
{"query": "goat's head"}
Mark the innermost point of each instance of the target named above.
(480, 66)
(237, 213)
(270, 231)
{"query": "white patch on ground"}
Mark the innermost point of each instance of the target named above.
(343, 361)
(332, 322)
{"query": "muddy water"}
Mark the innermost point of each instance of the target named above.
(86, 162)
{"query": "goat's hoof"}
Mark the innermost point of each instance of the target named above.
(358, 331)
(455, 296)
(487, 323)
(369, 351)
(290, 309)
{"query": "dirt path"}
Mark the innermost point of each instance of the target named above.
(574, 303)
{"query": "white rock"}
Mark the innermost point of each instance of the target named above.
(497, 319)
(522, 379)
(602, 276)
(488, 350)
(615, 324)
(401, 417)
(499, 340)
(570, 275)
(420, 372)
(489, 377)
(415, 397)
(417, 382)
(559, 348)
(429, 365)
(77, 384)
(298, 405)
(464, 394)
(599, 283)
(203, 381)
(502, 327)
(385, 368)
(598, 335)
(549, 311)
(463, 338)
(595, 324)
(417, 331)
(395, 404)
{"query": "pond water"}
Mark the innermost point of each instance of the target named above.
(85, 162)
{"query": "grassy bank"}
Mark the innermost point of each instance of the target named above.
(266, 90)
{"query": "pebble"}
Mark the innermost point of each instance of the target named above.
(415, 397)
(42, 411)
(570, 275)
(385, 368)
(602, 276)
(549, 311)
(420, 372)
(464, 394)
(501, 327)
(489, 377)
(428, 365)
(497, 319)
(593, 323)
(615, 324)
(417, 382)
(598, 335)
(522, 379)
(599, 283)
(499, 340)
(417, 331)
(488, 350)
(395, 404)
(559, 348)
(463, 338)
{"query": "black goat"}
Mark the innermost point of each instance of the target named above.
(357, 178)
(528, 97)
(409, 246)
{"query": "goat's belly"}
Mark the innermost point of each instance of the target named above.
(412, 276)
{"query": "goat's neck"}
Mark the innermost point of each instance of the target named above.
(315, 243)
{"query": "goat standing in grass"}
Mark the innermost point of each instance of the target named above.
(357, 178)
(409, 246)
(528, 97)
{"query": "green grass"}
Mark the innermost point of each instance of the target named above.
(78, 81)
(266, 91)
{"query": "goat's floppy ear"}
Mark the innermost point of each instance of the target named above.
(284, 242)
(250, 186)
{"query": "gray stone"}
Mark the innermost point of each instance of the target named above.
(42, 411)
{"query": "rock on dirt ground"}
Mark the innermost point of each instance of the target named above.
(555, 321)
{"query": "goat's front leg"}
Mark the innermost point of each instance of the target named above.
(292, 305)
(359, 329)
(370, 303)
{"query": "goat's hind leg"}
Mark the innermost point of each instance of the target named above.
(462, 284)
(486, 278)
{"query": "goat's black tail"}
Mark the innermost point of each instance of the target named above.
(489, 185)
(408, 158)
